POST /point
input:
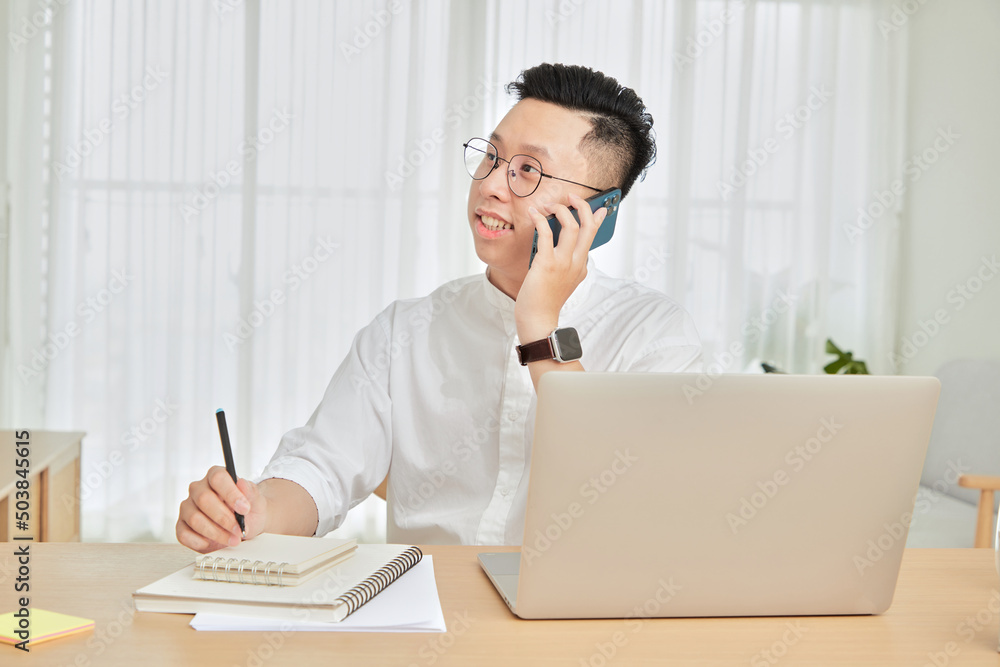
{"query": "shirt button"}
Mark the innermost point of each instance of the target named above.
(512, 416)
(505, 493)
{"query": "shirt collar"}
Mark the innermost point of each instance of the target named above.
(579, 295)
(493, 294)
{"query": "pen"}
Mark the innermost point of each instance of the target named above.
(227, 452)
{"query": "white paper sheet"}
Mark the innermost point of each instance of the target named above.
(409, 604)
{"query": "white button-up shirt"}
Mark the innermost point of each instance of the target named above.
(432, 393)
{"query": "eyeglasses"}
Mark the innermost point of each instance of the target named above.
(524, 172)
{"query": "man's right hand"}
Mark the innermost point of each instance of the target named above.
(206, 520)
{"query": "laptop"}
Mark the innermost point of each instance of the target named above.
(681, 495)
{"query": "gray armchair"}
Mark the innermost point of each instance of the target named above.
(963, 459)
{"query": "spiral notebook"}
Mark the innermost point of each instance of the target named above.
(273, 560)
(328, 597)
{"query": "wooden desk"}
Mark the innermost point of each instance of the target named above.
(54, 486)
(940, 594)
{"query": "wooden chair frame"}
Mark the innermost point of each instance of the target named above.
(986, 484)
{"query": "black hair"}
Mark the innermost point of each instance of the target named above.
(621, 146)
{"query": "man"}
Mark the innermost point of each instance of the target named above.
(434, 386)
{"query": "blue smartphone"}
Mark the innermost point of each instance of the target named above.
(609, 199)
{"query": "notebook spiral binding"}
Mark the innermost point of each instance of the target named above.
(208, 568)
(382, 577)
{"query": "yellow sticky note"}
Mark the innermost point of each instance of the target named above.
(43, 625)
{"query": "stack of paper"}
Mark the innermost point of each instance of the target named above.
(371, 578)
(410, 604)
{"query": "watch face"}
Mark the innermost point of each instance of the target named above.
(567, 344)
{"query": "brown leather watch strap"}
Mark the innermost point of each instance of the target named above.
(537, 351)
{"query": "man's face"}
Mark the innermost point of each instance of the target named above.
(550, 134)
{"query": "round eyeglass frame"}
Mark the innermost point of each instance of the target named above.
(496, 163)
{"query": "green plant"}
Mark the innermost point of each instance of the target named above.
(845, 363)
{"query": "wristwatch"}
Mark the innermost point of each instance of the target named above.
(562, 345)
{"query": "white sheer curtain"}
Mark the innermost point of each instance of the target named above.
(211, 198)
